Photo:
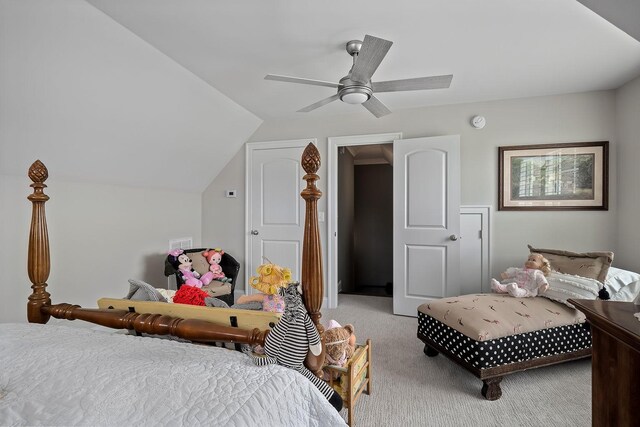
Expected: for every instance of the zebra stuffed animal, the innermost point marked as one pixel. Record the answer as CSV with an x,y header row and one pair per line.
x,y
289,341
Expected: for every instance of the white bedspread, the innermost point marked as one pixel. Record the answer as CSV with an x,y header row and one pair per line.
x,y
60,375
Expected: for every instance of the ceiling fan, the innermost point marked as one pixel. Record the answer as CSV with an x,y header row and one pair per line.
x,y
357,87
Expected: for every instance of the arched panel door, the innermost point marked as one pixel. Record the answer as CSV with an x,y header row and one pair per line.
x,y
426,218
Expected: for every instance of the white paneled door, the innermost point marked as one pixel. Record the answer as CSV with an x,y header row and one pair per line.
x,y
426,221
275,210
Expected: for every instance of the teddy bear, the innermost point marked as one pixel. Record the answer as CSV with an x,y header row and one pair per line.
x,y
213,257
271,277
183,264
339,344
524,282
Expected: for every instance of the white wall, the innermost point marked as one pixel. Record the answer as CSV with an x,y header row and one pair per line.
x,y
552,119
109,115
96,102
223,217
628,126
100,236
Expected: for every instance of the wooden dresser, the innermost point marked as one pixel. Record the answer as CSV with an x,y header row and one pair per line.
x,y
615,361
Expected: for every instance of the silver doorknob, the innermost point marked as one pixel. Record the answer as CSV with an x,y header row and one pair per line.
x,y
254,232
453,237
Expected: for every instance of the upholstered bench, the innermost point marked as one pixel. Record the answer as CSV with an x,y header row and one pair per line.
x,y
492,335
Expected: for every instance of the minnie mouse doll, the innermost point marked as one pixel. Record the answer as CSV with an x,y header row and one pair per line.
x,y
182,263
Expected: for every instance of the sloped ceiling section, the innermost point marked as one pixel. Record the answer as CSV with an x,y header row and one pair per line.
x,y
495,49
95,102
624,14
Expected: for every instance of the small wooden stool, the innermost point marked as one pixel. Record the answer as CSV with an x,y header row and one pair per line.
x,y
353,378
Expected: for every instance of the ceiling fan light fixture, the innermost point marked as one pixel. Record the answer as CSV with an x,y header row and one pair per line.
x,y
355,94
355,98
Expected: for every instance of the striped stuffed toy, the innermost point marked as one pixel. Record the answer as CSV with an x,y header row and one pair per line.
x,y
289,341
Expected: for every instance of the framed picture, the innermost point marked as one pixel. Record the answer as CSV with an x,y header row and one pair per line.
x,y
570,176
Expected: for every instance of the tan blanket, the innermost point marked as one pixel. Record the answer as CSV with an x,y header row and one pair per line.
x,y
485,317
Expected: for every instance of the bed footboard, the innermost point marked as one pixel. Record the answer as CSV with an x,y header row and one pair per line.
x,y
157,324
250,328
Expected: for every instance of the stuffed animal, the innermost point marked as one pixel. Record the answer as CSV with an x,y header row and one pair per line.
x,y
524,282
290,340
271,277
339,344
183,264
191,295
213,257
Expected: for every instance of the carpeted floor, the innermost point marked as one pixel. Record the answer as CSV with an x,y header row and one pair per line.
x,y
411,389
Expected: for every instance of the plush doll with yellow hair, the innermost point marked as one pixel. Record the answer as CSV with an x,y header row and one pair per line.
x,y
271,277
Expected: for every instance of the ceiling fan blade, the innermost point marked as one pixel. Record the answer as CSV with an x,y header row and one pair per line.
x,y
419,83
301,81
371,54
376,107
318,104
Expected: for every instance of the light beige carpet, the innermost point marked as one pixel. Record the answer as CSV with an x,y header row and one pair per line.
x,y
411,389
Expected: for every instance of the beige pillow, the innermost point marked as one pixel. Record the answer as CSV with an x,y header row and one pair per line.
x,y
594,265
216,288
200,263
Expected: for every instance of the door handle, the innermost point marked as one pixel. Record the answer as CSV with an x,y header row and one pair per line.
x,y
254,232
453,237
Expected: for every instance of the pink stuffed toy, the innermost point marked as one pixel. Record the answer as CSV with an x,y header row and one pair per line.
x,y
181,262
213,257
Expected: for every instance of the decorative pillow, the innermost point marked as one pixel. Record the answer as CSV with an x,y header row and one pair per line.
x,y
628,293
565,286
594,265
141,291
200,263
216,288
618,278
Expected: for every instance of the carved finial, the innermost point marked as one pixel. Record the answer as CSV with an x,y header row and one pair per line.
x,y
311,159
38,172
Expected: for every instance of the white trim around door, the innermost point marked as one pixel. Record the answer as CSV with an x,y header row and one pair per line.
x,y
332,201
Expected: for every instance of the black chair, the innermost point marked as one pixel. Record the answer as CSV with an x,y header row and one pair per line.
x,y
229,265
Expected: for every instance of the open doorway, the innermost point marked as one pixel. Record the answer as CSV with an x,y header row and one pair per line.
x,y
365,228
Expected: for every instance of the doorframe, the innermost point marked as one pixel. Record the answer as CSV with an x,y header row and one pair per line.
x,y
334,143
249,148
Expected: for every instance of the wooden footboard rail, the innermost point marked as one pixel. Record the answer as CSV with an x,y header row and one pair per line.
x,y
40,309
157,324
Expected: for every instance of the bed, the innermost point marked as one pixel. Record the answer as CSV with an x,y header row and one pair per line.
x,y
64,375
493,335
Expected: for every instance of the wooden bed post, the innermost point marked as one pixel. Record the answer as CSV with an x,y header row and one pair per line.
x,y
312,283
38,262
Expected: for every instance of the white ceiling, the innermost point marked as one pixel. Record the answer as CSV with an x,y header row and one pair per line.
x,y
496,49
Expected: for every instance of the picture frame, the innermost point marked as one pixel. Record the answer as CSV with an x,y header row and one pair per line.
x,y
543,177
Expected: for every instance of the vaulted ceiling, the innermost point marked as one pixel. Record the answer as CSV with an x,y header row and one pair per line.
x,y
163,93
496,49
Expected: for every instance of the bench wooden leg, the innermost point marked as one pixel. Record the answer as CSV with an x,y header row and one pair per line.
x,y
491,389
430,351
